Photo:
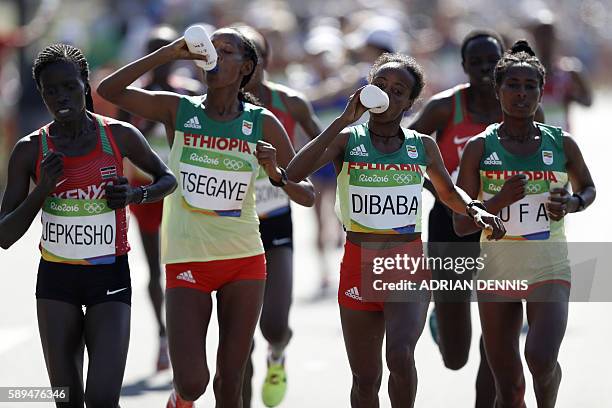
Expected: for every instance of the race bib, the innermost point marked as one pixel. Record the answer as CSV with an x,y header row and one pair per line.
x,y
384,201
271,201
525,219
78,231
214,183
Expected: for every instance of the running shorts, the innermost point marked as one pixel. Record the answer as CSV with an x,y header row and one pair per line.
x,y
277,231
358,287
443,243
213,275
85,285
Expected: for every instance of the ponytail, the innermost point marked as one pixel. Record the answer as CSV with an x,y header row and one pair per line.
x,y
520,53
522,46
248,97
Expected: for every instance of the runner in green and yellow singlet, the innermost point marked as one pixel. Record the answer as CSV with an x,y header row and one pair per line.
x,y
210,237
380,169
521,169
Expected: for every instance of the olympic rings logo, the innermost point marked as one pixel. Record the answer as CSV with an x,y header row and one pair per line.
x,y
233,164
533,188
94,208
403,178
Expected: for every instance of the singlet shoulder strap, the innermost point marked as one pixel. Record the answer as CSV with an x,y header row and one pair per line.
x,y
277,100
44,143
104,140
458,106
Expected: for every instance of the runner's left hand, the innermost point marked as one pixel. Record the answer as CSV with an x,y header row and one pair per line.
x,y
266,156
559,204
120,193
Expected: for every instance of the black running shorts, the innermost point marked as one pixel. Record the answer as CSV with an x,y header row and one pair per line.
x,y
277,231
85,285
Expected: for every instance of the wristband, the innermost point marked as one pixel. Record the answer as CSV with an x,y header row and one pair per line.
x,y
145,194
474,203
581,203
283,181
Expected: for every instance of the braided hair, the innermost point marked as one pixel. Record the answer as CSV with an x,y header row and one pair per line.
x,y
520,53
64,53
249,52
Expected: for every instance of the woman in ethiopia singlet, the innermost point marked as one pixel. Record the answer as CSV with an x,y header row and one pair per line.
x,y
521,169
210,237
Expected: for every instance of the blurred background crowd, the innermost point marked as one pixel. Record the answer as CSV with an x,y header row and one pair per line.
x,y
319,47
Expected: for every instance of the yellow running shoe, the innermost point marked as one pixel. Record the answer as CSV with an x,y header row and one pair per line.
x,y
275,385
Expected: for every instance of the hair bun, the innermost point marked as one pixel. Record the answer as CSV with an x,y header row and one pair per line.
x,y
522,46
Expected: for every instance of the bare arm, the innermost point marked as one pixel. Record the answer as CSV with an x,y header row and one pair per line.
x,y
560,201
452,196
154,106
469,181
280,152
329,145
433,117
134,146
301,110
19,208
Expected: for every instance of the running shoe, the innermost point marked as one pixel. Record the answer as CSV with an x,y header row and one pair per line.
x,y
275,385
175,401
433,326
163,359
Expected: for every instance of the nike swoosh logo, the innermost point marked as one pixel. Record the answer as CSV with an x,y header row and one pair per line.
x,y
61,182
112,292
461,140
281,241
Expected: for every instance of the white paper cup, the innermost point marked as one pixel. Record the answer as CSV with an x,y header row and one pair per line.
x,y
198,42
374,98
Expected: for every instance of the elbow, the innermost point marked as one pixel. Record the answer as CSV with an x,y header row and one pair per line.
x,y
459,225
311,198
104,90
173,185
4,244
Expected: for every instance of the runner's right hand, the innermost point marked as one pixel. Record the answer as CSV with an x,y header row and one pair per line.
x,y
51,169
491,223
354,109
177,50
513,189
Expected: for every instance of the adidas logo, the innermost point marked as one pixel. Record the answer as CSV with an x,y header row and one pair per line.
x,y
353,293
193,123
493,159
359,151
186,276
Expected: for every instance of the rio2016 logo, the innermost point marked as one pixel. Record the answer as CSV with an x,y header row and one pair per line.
x,y
64,207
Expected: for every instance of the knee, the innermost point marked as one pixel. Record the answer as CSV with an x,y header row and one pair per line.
x,y
400,360
190,389
510,387
541,363
367,383
101,399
